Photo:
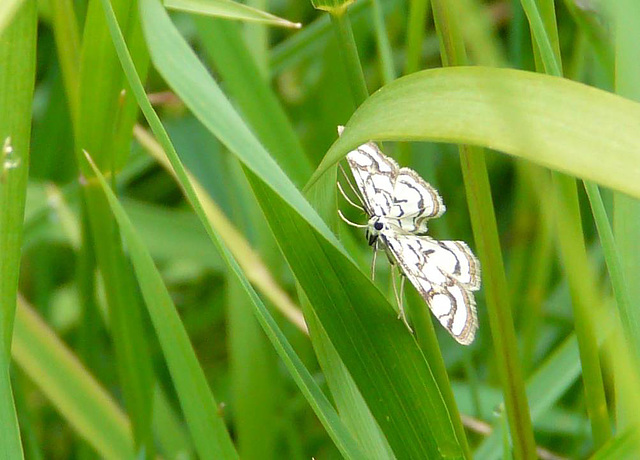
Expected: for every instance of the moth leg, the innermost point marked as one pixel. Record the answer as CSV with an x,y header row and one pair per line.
x,y
399,299
373,261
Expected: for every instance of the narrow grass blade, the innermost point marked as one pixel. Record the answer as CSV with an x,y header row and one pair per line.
x,y
200,408
524,114
309,388
349,55
229,9
549,382
485,232
79,398
384,46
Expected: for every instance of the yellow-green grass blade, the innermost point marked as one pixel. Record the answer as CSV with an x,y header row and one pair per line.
x,y
229,9
309,388
8,9
77,396
383,359
58,373
623,446
17,77
199,406
527,115
332,6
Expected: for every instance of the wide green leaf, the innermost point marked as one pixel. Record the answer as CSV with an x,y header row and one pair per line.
x,y
563,125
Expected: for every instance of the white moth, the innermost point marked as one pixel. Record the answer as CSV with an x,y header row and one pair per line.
x,y
399,204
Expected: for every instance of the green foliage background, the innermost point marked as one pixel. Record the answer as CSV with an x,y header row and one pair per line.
x,y
175,282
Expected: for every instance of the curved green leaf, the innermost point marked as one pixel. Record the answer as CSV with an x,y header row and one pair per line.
x,y
563,125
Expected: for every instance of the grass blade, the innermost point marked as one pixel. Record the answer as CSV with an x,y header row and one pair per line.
x,y
229,10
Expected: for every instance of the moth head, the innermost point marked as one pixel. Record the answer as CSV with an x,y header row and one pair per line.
x,y
375,226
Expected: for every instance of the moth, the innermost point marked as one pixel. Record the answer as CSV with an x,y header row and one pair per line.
x,y
399,205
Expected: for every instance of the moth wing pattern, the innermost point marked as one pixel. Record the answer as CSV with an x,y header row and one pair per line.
x,y
445,273
415,202
375,175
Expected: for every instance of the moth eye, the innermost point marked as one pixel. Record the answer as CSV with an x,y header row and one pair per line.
x,y
378,226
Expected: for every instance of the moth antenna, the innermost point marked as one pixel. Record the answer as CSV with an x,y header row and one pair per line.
x,y
353,224
351,186
347,198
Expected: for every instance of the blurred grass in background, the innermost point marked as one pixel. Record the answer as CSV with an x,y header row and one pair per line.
x,y
139,135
